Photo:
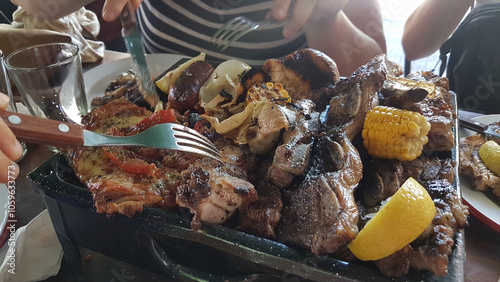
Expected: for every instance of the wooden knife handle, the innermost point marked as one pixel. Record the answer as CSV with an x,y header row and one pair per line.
x,y
33,129
472,124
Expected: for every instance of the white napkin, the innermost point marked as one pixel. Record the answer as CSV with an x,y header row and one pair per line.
x,y
82,25
38,253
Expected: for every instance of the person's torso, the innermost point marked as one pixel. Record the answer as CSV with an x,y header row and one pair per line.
x,y
185,27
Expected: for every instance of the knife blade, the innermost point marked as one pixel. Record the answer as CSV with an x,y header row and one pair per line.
x,y
478,127
132,38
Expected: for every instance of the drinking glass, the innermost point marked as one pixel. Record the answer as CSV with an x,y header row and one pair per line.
x,y
49,78
5,89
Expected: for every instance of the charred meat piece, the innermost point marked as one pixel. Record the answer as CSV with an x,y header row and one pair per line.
x,y
473,167
384,177
305,74
124,86
183,95
262,215
320,213
431,250
214,191
437,108
292,156
355,96
402,92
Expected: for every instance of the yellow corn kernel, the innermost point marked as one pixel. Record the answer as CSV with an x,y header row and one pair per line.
x,y
269,91
394,133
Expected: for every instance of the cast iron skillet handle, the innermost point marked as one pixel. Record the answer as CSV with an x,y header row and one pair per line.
x,y
172,268
184,273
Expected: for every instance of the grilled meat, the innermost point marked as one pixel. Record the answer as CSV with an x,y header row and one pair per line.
x,y
183,95
356,95
403,92
262,215
214,191
291,158
124,86
436,107
431,250
306,186
473,167
305,74
149,181
320,213
384,177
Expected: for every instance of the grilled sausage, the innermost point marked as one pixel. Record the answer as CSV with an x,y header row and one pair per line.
x,y
183,95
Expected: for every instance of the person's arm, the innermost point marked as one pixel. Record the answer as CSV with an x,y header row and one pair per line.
x,y
350,32
10,148
50,10
430,25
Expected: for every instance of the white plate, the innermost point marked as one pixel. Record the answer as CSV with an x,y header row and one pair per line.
x,y
98,79
480,205
4,212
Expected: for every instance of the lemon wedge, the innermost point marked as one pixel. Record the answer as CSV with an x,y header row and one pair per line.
x,y
400,221
490,154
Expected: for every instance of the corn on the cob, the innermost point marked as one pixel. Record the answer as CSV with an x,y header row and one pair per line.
x,y
393,133
268,91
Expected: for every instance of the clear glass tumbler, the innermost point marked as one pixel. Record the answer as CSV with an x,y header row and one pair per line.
x,y
5,89
49,78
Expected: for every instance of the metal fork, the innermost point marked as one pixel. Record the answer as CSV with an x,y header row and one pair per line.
x,y
51,132
236,28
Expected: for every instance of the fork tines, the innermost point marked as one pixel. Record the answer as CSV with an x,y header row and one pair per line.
x,y
232,31
190,140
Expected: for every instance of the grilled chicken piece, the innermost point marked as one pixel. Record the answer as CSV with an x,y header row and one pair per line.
x,y
214,191
320,213
305,74
356,95
473,167
114,189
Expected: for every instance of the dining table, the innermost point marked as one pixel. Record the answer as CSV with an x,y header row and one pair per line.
x,y
482,243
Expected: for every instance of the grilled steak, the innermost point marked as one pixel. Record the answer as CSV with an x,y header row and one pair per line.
x,y
384,177
321,213
473,167
356,95
436,107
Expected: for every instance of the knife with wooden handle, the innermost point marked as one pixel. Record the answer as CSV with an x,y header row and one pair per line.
x,y
478,127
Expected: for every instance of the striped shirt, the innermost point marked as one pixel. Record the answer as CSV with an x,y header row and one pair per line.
x,y
186,26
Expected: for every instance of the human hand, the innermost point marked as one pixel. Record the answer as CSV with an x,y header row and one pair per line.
x,y
310,12
112,8
10,148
